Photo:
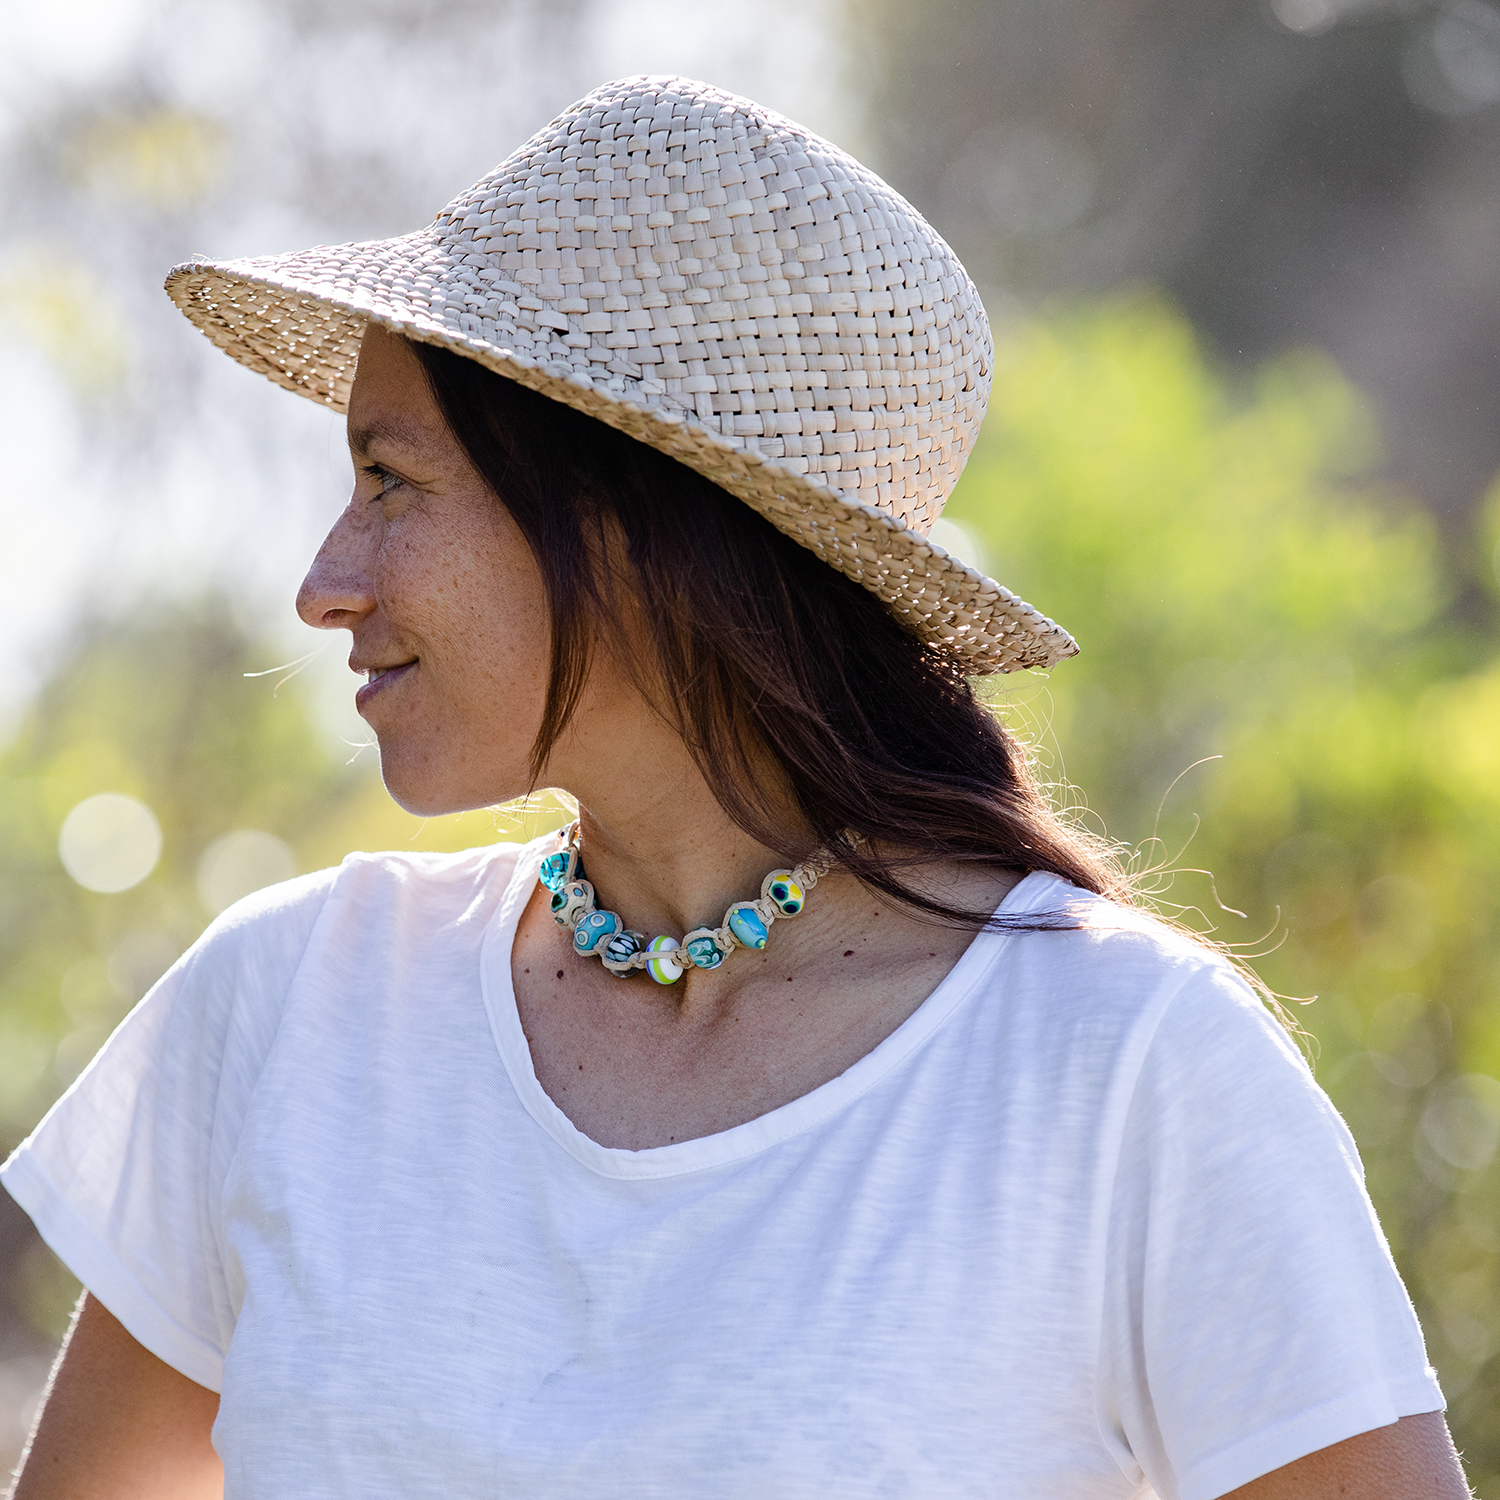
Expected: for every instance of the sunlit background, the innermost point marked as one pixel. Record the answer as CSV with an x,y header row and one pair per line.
x,y
1243,261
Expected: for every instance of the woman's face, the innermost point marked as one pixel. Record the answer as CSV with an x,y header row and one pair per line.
x,y
441,595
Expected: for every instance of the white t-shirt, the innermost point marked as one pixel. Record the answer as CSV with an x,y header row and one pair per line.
x,y
1082,1227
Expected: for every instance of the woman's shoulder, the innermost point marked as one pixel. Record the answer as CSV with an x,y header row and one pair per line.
x,y
1100,965
427,880
1114,936
227,994
268,932
409,876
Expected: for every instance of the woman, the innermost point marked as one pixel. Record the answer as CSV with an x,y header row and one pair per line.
x,y
526,1171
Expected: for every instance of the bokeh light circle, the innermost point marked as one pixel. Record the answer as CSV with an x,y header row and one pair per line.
x,y
110,842
242,862
1461,1121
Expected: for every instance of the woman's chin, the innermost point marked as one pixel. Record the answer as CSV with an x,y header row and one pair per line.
x,y
422,804
426,791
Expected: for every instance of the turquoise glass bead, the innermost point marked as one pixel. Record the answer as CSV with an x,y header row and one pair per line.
x,y
663,970
594,928
702,949
558,869
747,925
785,892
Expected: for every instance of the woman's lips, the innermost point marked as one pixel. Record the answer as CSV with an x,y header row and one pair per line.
x,y
380,680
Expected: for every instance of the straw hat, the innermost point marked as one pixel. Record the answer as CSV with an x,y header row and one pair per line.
x,y
711,279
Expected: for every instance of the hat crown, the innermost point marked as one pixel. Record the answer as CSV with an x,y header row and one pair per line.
x,y
681,247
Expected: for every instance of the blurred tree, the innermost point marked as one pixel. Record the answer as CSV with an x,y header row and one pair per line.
x,y
1291,171
1243,590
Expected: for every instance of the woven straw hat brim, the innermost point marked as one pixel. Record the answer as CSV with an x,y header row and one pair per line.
x,y
298,319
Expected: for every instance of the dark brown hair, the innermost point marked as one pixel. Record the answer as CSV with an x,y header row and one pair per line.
x,y
770,664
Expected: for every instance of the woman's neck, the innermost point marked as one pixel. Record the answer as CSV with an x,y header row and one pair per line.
x,y
673,862
657,846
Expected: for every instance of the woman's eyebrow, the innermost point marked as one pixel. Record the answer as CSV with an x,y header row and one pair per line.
x,y
396,434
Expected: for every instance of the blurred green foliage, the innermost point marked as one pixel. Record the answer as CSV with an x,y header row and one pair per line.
x,y
1242,589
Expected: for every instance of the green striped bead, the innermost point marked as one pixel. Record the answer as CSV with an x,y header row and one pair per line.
x,y
663,970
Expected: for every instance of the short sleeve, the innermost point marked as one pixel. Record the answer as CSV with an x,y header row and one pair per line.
x,y
1253,1314
122,1176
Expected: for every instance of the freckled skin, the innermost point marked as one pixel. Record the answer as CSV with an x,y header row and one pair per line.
x,y
423,565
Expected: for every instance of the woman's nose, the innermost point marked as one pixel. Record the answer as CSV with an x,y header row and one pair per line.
x,y
339,590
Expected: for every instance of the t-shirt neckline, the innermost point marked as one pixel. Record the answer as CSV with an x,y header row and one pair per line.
x,y
764,1131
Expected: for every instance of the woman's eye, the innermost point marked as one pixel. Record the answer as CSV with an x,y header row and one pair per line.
x,y
383,478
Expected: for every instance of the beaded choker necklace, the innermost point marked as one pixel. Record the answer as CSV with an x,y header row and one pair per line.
x,y
747,924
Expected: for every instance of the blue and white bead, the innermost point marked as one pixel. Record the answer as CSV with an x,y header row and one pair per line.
x,y
593,928
616,954
747,925
663,970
